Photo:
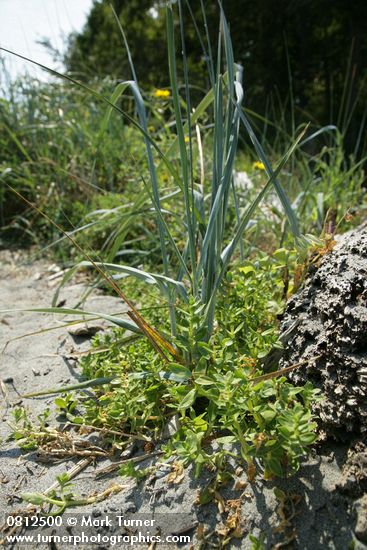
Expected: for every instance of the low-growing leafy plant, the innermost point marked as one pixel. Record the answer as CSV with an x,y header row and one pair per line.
x,y
258,543
218,396
25,432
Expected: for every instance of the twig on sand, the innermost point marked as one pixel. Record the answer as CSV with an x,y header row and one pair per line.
x,y
112,467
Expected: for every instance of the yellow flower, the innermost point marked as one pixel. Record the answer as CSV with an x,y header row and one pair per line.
x,y
162,94
258,165
187,139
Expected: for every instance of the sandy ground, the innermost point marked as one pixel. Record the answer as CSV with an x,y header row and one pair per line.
x,y
325,504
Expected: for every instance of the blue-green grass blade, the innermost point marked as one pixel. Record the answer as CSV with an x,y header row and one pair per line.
x,y
120,322
181,137
180,258
323,130
229,250
131,63
149,278
199,111
206,53
209,233
188,116
291,216
72,387
227,254
152,170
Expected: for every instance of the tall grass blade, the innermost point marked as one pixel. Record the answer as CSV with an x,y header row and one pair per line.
x,y
181,138
293,222
118,321
150,278
80,386
229,250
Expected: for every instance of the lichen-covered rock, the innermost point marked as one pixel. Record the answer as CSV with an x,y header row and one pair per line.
x,y
331,310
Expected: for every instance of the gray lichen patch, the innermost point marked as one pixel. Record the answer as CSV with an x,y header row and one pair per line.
x,y
332,312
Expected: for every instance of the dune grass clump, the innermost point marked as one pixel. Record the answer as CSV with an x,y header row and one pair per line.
x,y
200,364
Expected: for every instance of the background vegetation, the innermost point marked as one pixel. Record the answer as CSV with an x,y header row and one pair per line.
x,y
302,58
303,62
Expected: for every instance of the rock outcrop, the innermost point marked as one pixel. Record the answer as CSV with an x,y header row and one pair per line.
x,y
331,309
